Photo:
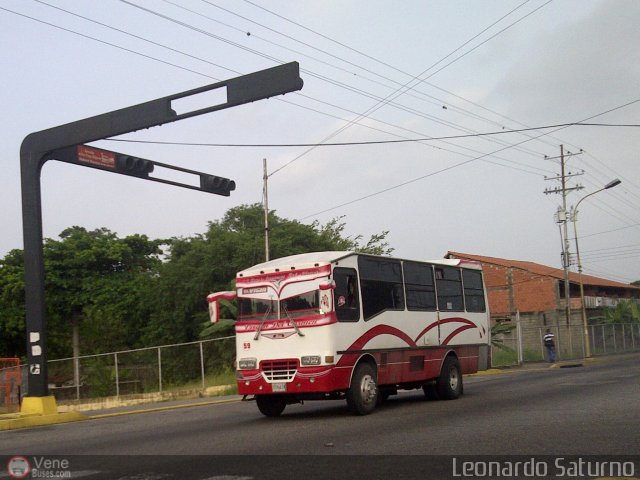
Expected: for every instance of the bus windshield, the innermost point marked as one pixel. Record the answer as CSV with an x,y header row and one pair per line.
x,y
300,305
257,309
267,309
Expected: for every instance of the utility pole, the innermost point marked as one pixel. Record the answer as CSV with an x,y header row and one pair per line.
x,y
265,203
563,218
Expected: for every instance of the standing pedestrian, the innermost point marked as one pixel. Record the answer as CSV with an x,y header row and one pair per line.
x,y
550,345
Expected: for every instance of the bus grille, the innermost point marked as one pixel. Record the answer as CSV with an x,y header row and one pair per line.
x,y
279,370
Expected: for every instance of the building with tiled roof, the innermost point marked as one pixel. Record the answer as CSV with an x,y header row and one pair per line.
x,y
516,285
535,295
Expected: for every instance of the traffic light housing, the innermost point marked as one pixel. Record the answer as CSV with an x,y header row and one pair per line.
x,y
138,167
217,185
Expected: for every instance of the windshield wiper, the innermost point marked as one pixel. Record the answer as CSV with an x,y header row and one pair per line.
x,y
264,319
293,322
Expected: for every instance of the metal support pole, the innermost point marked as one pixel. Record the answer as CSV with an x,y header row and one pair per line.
x,y
115,363
159,370
265,194
202,365
519,339
33,154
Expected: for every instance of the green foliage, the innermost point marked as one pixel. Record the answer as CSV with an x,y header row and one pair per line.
x,y
13,340
101,378
497,333
208,263
123,296
92,276
626,311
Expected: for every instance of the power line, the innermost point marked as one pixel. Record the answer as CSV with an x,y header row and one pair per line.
x,y
105,42
138,53
610,231
459,165
407,86
348,87
208,76
371,142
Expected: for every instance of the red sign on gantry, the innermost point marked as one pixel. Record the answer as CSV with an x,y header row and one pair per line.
x,y
94,156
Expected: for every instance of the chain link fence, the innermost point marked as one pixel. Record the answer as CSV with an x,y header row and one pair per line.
x,y
525,344
199,365
194,365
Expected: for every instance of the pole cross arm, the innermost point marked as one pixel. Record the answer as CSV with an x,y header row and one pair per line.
x,y
240,90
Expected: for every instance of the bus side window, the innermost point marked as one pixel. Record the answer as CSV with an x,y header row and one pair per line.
x,y
473,291
346,294
449,288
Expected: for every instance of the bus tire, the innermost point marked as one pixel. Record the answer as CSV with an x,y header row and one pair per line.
x,y
271,405
362,395
449,383
430,390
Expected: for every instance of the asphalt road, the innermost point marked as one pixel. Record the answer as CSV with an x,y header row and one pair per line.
x,y
588,410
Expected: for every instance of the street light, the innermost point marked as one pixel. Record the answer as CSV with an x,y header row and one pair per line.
x,y
585,325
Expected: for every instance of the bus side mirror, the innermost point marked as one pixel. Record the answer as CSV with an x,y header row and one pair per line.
x,y
327,285
214,305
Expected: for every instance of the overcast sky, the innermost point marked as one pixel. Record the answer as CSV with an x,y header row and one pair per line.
x,y
373,71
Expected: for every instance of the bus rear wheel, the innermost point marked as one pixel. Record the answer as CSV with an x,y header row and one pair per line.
x,y
362,395
449,383
271,405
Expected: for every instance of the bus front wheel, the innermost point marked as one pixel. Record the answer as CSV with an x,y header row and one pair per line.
x,y
271,405
362,395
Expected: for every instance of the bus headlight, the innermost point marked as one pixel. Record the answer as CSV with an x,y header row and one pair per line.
x,y
247,364
310,360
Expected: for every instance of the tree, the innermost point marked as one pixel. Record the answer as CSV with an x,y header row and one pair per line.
x,y
498,330
98,282
626,311
120,295
12,325
93,280
206,263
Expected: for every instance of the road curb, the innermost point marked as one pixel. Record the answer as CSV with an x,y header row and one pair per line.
x,y
161,409
19,420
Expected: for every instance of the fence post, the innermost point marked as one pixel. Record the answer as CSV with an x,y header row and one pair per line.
x,y
202,365
159,370
615,344
115,362
519,338
76,375
604,341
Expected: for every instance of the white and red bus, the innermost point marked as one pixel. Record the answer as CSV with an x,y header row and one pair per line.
x,y
330,325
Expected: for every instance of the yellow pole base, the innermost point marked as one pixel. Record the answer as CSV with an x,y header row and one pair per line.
x,y
39,405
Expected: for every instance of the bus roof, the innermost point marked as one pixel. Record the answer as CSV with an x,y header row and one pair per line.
x,y
300,261
315,259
